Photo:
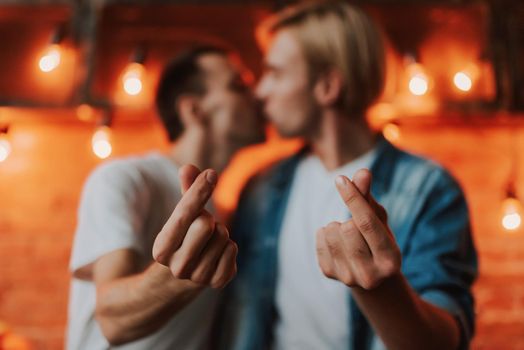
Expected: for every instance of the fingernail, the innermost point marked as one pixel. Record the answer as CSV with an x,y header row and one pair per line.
x,y
340,180
211,177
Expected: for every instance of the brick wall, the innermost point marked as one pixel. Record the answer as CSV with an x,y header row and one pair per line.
x,y
41,181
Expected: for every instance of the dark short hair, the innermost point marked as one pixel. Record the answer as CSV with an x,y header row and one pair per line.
x,y
181,76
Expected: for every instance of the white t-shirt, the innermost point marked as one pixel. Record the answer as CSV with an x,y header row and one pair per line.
x,y
313,310
125,203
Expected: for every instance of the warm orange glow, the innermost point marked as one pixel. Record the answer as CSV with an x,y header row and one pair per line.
x,y
511,214
391,132
101,142
462,81
132,79
50,60
5,148
85,113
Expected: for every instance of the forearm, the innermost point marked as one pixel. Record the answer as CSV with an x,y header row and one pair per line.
x,y
403,320
132,307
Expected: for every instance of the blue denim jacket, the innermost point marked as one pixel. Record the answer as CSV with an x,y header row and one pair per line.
x,y
427,213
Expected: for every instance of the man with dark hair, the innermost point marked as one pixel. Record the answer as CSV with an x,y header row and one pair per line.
x,y
320,264
119,295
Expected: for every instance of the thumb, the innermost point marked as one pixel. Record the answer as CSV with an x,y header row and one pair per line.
x,y
362,179
187,175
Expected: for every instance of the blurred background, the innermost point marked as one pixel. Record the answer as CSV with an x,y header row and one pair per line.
x,y
77,78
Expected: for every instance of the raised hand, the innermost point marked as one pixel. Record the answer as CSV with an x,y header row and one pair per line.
x,y
362,251
191,243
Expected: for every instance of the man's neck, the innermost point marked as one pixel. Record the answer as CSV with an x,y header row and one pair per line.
x,y
341,139
192,147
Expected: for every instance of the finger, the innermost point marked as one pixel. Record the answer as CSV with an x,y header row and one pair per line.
x,y
227,266
354,245
362,180
367,221
187,175
186,211
209,257
339,261
186,257
324,257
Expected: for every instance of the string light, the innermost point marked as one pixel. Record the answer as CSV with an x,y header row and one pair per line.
x,y
101,139
463,81
511,214
101,142
132,78
133,75
51,58
5,147
418,84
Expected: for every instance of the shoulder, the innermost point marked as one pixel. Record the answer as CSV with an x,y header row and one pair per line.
x,y
414,173
122,173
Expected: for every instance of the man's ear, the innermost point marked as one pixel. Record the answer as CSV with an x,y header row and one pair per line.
x,y
188,107
328,88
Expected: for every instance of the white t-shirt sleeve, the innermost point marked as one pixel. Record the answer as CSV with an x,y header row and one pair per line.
x,y
111,214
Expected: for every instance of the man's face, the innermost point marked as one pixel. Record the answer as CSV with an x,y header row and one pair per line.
x,y
233,117
285,88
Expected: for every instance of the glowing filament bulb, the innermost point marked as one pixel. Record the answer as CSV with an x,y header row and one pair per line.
x,y
101,143
512,214
132,79
5,148
418,84
50,60
462,81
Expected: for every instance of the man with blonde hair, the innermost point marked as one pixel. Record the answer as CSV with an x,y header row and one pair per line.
x,y
321,264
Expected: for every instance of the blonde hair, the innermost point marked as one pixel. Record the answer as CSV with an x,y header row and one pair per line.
x,y
336,35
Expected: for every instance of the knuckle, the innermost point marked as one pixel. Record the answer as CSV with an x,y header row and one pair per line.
x,y
389,266
368,280
177,269
349,228
333,242
218,283
200,277
350,198
327,270
347,278
369,283
359,252
203,224
366,223
333,226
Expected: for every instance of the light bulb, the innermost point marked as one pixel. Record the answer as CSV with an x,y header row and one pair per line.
x,y
5,148
418,84
511,214
101,142
462,81
132,79
51,59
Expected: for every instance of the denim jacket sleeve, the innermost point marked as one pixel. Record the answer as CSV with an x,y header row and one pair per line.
x,y
440,261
